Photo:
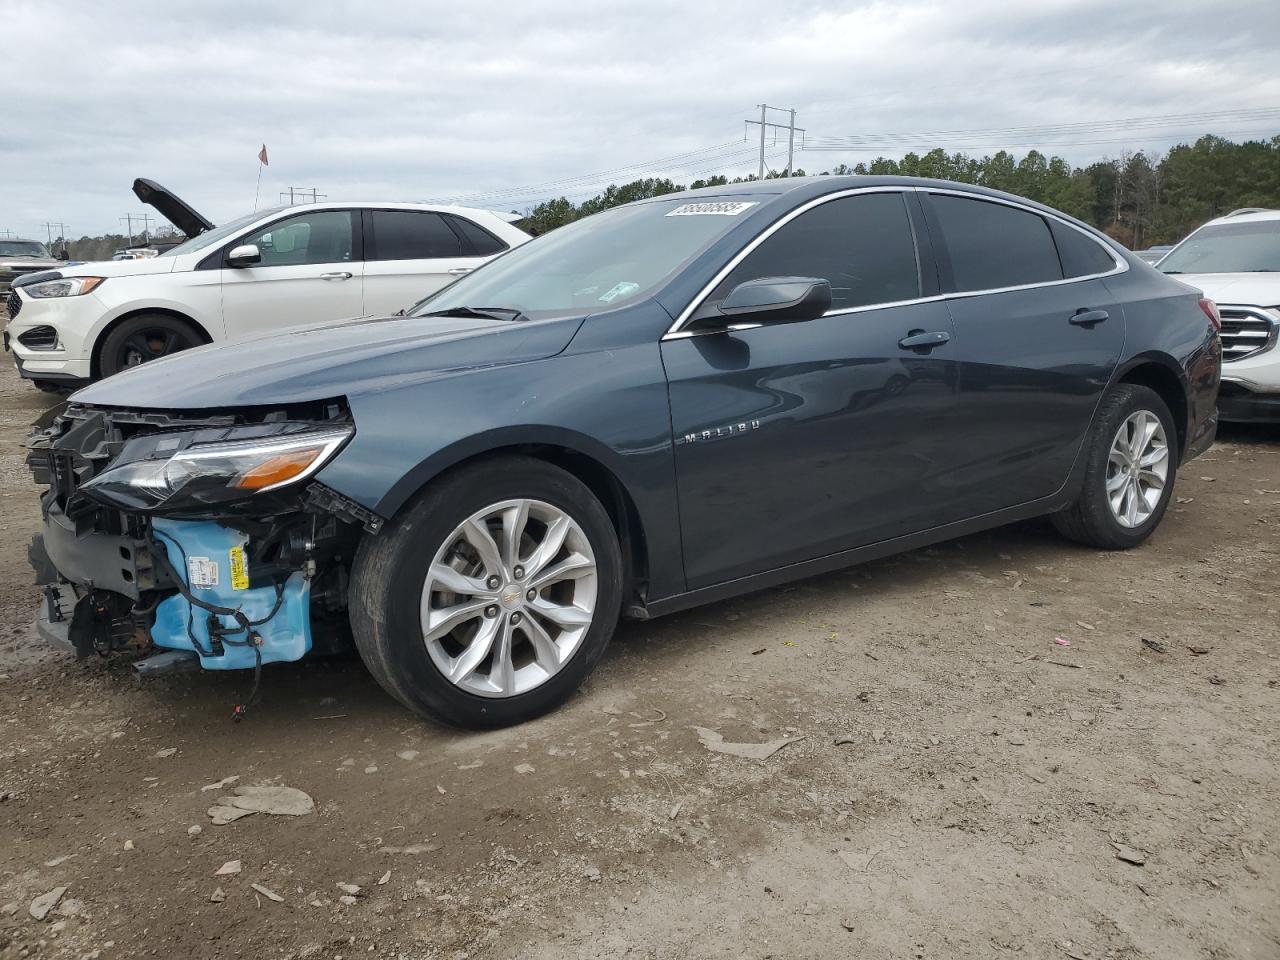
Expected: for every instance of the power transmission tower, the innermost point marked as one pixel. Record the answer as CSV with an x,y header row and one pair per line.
x,y
144,218
62,233
303,195
791,128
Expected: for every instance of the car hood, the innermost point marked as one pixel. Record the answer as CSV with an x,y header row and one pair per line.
x,y
1243,289
31,263
172,207
119,268
346,359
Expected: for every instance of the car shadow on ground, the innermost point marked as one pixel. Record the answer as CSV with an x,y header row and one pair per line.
x,y
339,689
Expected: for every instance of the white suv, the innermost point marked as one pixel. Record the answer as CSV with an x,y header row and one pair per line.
x,y
291,266
1235,260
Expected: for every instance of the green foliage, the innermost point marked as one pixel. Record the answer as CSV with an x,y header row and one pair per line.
x,y
1138,198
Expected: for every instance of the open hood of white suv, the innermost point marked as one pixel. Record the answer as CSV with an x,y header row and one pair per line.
x,y
1246,289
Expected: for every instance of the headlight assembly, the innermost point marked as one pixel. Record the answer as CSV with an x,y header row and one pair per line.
x,y
65,287
212,473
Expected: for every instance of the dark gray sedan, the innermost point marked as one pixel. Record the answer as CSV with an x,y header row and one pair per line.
x,y
665,404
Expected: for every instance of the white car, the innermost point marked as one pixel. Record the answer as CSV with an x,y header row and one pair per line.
x,y
1235,260
301,265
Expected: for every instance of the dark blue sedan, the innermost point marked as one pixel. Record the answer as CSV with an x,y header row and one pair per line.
x,y
665,404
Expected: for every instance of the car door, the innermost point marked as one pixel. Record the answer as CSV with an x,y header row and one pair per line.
x,y
793,441
1038,335
411,254
309,273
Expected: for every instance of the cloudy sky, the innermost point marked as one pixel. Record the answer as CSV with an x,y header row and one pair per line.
x,y
509,103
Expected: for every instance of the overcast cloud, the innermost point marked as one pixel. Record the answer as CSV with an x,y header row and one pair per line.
x,y
510,103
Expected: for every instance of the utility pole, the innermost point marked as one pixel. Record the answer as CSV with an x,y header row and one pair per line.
x,y
128,219
790,127
7,234
763,124
791,140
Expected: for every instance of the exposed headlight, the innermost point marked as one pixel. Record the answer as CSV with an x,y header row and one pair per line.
x,y
66,287
212,473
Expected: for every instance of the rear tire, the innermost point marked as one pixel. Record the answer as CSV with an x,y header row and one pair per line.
x,y
1119,504
510,657
145,337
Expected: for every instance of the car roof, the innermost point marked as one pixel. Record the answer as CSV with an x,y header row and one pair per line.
x,y
1247,215
391,205
795,190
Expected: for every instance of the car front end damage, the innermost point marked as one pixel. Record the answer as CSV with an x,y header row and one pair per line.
x,y
201,532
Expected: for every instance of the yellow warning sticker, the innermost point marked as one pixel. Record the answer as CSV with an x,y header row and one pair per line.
x,y
239,569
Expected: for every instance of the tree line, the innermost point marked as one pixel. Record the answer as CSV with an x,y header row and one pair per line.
x,y
1138,198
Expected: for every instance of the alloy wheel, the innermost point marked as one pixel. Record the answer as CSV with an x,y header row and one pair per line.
x,y
1137,468
508,598
151,344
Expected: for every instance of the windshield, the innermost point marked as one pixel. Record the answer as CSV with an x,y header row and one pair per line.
x,y
23,248
597,263
1228,248
211,237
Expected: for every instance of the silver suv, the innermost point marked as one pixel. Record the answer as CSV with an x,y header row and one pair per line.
x,y
18,257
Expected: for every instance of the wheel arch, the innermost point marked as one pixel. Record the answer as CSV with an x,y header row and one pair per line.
x,y
1166,377
95,355
579,456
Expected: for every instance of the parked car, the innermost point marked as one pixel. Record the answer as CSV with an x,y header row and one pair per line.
x,y
269,270
665,404
1235,260
1153,254
20,257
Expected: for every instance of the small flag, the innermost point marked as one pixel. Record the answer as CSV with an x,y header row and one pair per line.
x,y
262,156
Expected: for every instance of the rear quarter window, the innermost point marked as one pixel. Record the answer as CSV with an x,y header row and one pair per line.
x,y
483,243
992,245
1081,256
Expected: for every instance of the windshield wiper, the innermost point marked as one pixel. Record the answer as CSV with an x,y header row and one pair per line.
x,y
486,313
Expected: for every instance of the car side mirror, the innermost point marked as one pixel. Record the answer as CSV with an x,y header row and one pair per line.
x,y
245,255
778,300
62,255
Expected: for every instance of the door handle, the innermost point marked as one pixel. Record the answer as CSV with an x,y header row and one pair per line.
x,y
1087,318
340,275
459,271
919,340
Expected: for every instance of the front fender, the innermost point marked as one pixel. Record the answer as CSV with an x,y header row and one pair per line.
x,y
606,405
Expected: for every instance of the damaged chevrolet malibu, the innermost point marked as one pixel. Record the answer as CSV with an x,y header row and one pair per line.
x,y
665,404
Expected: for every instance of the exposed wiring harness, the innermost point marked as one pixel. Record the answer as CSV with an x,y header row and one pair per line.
x,y
252,638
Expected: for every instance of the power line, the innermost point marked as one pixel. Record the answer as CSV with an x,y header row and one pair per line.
x,y
957,147
1093,126
599,176
302,195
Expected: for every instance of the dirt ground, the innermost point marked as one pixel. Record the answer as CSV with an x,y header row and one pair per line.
x,y
963,786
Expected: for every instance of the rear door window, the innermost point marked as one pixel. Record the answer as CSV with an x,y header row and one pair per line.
x,y
412,235
863,245
993,245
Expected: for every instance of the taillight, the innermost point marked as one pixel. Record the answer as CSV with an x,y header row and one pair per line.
x,y
1211,311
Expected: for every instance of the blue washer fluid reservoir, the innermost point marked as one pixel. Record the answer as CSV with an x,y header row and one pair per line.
x,y
202,554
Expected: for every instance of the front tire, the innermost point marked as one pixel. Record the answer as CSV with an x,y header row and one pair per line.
x,y
490,598
145,337
1130,467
